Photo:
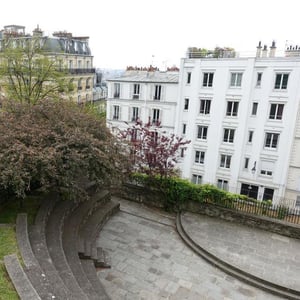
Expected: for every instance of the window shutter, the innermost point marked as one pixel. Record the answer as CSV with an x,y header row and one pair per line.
x,y
267,165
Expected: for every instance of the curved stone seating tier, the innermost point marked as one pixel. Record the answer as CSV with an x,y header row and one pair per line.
x,y
54,243
39,246
90,230
99,198
19,278
69,240
49,248
89,269
32,268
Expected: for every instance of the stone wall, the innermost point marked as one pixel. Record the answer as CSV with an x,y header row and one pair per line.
x,y
153,198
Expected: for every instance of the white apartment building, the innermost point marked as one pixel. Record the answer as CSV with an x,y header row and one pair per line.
x,y
142,95
242,116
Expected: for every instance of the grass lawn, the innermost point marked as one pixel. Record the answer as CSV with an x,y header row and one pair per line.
x,y
8,243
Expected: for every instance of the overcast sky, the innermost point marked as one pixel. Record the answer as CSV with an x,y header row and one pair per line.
x,y
141,32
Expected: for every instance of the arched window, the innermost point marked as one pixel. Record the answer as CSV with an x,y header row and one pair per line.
x,y
88,83
80,84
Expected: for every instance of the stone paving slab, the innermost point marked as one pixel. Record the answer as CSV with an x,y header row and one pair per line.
x,y
266,255
150,261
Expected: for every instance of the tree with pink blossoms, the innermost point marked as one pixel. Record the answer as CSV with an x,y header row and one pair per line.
x,y
152,150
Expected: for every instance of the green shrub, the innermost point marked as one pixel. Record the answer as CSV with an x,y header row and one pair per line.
x,y
282,212
176,191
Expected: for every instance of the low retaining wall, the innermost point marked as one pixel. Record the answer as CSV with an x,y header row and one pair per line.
x,y
153,198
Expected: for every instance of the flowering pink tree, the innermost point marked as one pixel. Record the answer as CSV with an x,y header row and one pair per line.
x,y
153,151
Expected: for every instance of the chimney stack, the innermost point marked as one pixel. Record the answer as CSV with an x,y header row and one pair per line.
x,y
258,51
264,51
272,50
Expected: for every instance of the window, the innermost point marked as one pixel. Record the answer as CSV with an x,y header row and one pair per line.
x,y
297,204
70,64
222,184
135,114
267,167
268,194
186,103
232,108
196,179
188,77
236,79
281,81
246,163
250,136
208,79
225,161
228,135
266,172
134,136
199,157
271,140
154,137
87,84
276,111
204,106
155,116
183,128
182,150
202,132
116,90
136,91
254,108
79,87
116,112
258,79
157,92
79,64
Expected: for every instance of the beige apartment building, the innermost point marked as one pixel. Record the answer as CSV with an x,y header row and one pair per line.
x,y
73,52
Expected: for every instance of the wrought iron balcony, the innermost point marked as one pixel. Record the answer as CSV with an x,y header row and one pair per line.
x,y
82,71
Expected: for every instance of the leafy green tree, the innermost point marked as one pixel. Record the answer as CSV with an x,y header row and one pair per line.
x,y
27,74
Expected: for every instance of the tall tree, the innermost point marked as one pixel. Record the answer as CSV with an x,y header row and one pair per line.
x,y
54,145
27,74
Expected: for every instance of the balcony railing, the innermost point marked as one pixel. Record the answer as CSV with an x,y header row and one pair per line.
x,y
81,71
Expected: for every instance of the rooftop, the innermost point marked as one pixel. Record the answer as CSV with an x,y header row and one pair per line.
x,y
148,76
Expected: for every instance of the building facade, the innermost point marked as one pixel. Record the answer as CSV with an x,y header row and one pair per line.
x,y
73,53
242,117
146,95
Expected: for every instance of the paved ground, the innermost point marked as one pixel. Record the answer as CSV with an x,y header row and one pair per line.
x,y
270,256
150,261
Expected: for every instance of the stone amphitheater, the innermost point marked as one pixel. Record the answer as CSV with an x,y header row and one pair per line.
x,y
94,250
